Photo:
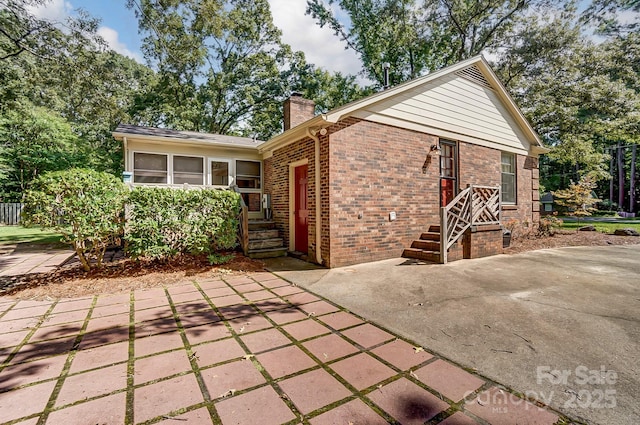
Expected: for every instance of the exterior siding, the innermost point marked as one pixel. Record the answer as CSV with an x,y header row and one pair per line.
x,y
456,105
375,169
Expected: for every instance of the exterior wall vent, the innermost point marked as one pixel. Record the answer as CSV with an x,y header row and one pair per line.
x,y
472,73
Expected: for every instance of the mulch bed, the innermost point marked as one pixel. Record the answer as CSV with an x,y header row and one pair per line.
x,y
124,275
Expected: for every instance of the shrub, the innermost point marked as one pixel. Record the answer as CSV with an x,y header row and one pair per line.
x,y
549,225
164,222
84,206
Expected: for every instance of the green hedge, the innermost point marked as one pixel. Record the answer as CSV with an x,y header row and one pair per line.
x,y
163,222
84,206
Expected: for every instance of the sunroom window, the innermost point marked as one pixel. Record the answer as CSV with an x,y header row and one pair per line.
x,y
248,174
188,169
150,168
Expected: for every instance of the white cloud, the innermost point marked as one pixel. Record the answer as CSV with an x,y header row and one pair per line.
x,y
112,38
320,46
53,10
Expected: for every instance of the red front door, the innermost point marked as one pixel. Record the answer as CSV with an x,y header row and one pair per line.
x,y
448,172
301,210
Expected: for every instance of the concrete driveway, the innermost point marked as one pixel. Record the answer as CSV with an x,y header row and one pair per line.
x,y
559,325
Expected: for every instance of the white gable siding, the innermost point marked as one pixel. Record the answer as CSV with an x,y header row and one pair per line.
x,y
454,107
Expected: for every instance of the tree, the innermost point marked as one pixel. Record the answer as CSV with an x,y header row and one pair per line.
x,y
415,37
33,141
581,97
578,197
85,206
222,68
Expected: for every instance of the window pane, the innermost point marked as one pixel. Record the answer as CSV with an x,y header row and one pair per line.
x,y
508,188
219,173
247,168
149,161
248,182
188,164
508,163
149,168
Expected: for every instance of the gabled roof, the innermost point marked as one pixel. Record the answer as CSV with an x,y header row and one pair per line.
x,y
187,137
475,69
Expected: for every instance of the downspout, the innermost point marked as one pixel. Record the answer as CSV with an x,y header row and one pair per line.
x,y
126,153
312,135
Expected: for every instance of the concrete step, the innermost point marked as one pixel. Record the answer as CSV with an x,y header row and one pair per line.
x,y
268,253
265,243
261,224
426,245
263,234
430,236
421,254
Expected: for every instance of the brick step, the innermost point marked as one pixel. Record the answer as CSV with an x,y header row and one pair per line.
x,y
261,224
430,236
426,245
435,228
263,234
265,243
421,254
268,253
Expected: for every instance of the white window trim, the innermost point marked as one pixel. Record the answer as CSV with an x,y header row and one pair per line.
x,y
230,167
204,169
246,189
169,167
515,178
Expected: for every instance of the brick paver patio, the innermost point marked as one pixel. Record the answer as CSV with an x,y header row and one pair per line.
x,y
248,349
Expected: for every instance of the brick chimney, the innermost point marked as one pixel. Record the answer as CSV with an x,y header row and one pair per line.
x,y
297,110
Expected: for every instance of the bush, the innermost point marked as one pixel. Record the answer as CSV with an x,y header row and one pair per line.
x,y
84,206
549,225
164,222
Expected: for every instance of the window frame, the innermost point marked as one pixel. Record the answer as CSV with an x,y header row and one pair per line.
x,y
514,164
230,172
133,166
173,171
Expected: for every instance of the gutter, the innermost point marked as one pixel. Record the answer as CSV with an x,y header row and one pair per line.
x,y
312,134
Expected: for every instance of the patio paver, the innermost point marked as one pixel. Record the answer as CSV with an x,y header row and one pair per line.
x,y
239,350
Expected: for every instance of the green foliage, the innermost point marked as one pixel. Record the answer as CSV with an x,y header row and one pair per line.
x,y
578,197
84,206
418,36
33,141
549,225
222,68
164,222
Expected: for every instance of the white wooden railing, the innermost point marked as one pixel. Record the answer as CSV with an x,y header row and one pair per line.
x,y
475,205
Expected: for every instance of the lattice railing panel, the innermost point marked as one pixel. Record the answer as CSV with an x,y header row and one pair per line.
x,y
485,205
476,205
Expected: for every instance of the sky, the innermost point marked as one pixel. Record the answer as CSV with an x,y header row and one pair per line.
x,y
120,30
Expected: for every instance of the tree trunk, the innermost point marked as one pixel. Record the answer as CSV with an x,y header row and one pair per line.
x,y
620,176
611,180
632,182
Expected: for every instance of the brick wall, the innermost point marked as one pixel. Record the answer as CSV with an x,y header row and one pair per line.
x,y
369,170
483,241
376,169
297,110
527,208
277,184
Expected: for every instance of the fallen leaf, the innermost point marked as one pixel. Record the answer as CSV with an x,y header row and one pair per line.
x,y
241,329
418,349
248,357
413,374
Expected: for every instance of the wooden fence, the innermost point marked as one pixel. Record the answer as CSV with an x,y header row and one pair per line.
x,y
10,213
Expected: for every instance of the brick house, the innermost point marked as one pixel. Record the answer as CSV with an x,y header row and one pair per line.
x,y
379,177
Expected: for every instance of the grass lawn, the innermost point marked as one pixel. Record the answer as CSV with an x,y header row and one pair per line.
x,y
19,234
601,226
